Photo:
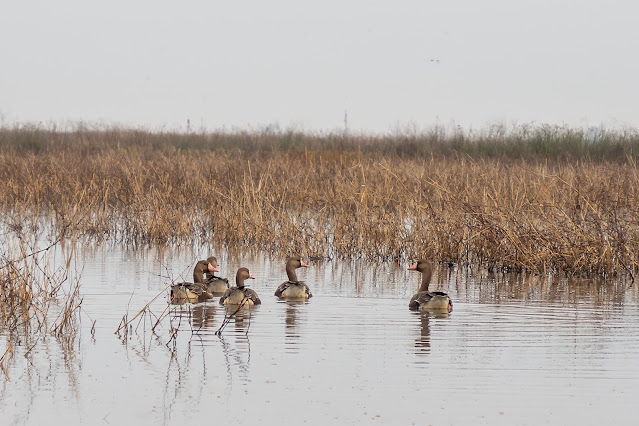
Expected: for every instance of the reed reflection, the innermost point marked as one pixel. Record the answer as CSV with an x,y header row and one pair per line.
x,y
493,287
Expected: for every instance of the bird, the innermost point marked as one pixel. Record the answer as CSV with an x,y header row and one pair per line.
x,y
239,294
215,285
293,289
428,300
197,290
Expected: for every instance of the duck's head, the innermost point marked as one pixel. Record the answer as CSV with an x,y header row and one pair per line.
x,y
208,266
242,274
296,262
421,266
213,261
205,266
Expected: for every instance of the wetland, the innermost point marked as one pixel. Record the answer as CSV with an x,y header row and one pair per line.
x,y
537,246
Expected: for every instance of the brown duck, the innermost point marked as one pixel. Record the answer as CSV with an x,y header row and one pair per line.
x,y
437,301
293,289
215,285
239,294
197,290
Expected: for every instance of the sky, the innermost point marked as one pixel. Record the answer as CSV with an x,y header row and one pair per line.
x,y
373,66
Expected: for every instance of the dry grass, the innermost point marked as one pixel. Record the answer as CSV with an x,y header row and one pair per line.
x,y
330,198
37,298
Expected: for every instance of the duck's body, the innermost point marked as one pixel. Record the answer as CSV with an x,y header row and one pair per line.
x,y
431,301
425,300
215,285
293,289
196,291
190,292
237,296
240,295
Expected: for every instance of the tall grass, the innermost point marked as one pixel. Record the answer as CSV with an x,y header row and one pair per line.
x,y
542,199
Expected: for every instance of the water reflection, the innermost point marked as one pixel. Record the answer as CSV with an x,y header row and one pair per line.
x,y
422,342
554,343
483,287
241,318
203,315
427,319
294,313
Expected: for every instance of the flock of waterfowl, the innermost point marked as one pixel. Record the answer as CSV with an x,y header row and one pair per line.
x,y
206,285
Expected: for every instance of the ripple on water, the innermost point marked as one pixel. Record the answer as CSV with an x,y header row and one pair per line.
x,y
546,352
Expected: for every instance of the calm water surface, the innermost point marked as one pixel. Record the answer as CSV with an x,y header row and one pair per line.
x,y
515,350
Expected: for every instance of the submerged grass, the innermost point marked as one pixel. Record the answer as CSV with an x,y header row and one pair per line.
x,y
543,199
37,297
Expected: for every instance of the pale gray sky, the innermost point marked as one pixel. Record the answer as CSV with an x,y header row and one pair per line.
x,y
248,63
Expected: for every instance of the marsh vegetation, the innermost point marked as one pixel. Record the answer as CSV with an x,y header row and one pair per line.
x,y
133,209
543,199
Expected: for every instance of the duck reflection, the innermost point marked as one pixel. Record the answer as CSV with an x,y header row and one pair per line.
x,y
199,315
202,316
292,307
241,318
422,342
237,346
291,321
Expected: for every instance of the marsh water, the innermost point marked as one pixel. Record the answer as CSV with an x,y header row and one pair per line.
x,y
517,349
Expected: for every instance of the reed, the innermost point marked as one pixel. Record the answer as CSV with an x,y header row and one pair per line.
x,y
519,201
37,296
497,141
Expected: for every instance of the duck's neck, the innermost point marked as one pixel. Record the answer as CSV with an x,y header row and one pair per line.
x,y
425,279
198,274
239,282
290,272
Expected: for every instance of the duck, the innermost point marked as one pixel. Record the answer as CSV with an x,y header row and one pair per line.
x,y
293,289
197,290
215,285
239,294
437,301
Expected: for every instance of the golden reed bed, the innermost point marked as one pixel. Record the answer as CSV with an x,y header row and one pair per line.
x,y
331,197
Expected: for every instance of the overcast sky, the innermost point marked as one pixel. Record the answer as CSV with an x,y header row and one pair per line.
x,y
303,64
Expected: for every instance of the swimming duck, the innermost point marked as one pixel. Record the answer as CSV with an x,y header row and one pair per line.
x,y
428,300
239,294
293,289
197,290
215,284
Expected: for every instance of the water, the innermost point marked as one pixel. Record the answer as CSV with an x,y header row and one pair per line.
x,y
515,350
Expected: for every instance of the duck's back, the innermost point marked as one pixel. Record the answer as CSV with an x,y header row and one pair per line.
x,y
431,300
291,290
190,292
217,284
237,296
